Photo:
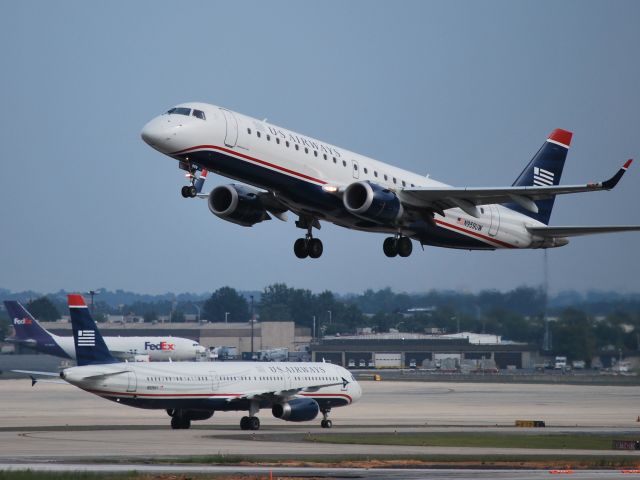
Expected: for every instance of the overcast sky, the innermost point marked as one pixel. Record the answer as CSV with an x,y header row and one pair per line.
x,y
464,91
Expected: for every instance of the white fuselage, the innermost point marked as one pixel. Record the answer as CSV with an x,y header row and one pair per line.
x,y
215,385
157,348
296,168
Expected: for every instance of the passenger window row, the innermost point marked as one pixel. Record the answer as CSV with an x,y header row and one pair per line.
x,y
325,157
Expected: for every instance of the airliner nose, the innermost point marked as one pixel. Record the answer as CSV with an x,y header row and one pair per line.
x,y
151,134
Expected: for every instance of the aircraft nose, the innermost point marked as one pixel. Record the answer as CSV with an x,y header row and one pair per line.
x,y
151,133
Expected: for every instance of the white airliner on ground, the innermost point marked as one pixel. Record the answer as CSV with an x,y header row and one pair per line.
x,y
188,391
30,333
318,181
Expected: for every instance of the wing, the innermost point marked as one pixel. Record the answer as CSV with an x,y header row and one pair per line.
x,y
280,395
439,199
553,232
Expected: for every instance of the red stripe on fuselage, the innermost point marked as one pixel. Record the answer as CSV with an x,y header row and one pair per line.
x,y
322,182
251,159
200,395
476,234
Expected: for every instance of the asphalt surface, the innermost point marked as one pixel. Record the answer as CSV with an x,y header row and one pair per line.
x,y
60,423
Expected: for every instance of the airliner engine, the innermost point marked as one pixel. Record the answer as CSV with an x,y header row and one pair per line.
x,y
237,204
372,202
296,410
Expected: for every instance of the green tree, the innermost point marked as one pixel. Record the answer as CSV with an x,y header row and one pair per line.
x,y
223,300
43,309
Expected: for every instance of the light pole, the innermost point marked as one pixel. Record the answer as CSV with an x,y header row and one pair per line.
x,y
198,308
329,311
226,317
252,322
313,331
93,293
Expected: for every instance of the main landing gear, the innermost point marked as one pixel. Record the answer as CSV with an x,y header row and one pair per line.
x,y
397,245
326,423
179,422
249,423
308,246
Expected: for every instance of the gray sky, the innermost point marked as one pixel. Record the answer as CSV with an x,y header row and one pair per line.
x,y
465,91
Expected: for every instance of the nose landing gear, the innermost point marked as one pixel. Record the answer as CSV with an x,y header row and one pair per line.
x,y
326,423
397,245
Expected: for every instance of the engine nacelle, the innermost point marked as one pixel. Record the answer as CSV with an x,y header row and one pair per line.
x,y
372,202
237,204
190,414
296,410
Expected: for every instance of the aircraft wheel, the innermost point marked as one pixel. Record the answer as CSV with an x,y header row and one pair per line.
x,y
404,247
326,424
192,191
315,248
185,191
244,423
254,423
390,247
300,248
179,423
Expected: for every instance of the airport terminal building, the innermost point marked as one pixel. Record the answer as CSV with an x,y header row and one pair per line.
x,y
404,350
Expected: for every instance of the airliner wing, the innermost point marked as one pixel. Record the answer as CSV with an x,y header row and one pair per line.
x,y
278,395
439,199
552,232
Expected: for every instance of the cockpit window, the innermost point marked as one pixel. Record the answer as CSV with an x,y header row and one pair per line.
x,y
180,111
199,114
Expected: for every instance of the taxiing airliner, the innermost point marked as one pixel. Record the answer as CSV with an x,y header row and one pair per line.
x,y
29,333
294,391
282,171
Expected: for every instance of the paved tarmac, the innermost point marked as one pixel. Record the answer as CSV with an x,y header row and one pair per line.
x,y
333,473
60,422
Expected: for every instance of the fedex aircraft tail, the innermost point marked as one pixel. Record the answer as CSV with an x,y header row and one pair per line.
x,y
90,346
544,169
29,332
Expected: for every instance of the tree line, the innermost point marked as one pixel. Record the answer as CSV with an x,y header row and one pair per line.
x,y
579,328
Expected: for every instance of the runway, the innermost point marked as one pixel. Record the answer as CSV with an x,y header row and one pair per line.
x,y
58,422
333,473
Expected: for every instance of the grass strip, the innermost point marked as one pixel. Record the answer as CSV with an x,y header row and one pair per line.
x,y
486,439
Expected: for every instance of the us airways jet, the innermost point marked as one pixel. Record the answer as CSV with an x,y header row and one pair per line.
x,y
293,391
31,334
282,171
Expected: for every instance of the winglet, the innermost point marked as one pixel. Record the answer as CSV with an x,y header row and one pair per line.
x,y
613,181
561,137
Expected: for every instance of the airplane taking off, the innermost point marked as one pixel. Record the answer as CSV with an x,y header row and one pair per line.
x,y
31,334
294,391
321,182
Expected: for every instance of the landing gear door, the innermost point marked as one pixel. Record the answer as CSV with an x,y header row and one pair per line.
x,y
231,136
132,382
495,220
355,168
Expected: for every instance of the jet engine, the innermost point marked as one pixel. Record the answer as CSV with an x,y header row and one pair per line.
x,y
372,202
190,414
237,204
296,410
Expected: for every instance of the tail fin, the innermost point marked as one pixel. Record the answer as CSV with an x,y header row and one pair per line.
x,y
90,346
545,168
29,332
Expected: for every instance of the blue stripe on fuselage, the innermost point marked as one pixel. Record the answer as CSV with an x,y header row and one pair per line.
x,y
314,199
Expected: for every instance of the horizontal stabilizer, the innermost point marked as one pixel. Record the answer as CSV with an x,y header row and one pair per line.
x,y
553,232
33,372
